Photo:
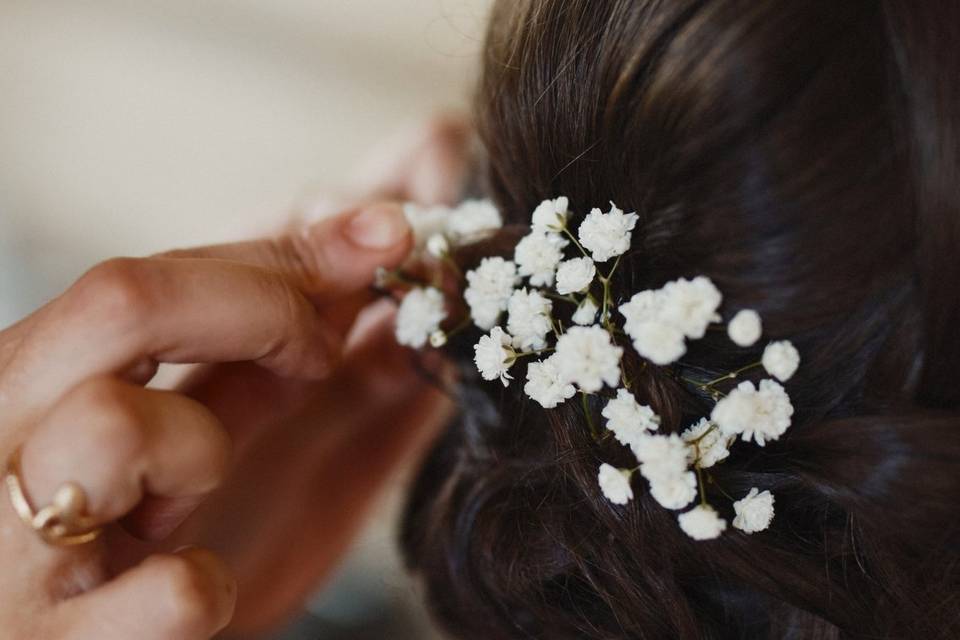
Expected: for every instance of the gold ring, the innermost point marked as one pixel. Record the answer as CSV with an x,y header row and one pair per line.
x,y
64,523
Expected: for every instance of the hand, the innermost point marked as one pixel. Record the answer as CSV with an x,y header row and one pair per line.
x,y
299,429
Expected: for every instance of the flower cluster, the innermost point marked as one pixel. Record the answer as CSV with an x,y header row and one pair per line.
x,y
514,302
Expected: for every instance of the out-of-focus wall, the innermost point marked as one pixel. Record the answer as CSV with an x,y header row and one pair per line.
x,y
131,126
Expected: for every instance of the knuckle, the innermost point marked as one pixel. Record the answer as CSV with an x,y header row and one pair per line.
x,y
305,259
187,595
120,289
116,418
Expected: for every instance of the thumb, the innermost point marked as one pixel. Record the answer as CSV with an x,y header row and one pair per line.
x,y
333,257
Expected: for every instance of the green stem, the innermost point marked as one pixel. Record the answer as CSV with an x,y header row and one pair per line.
x,y
586,412
576,242
703,491
466,322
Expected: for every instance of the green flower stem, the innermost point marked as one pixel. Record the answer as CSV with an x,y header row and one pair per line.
x,y
586,413
566,232
450,262
527,354
731,375
462,326
700,486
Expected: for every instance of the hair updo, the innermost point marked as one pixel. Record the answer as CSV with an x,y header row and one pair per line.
x,y
804,155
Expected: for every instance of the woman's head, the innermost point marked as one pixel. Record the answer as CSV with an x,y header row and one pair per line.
x,y
806,157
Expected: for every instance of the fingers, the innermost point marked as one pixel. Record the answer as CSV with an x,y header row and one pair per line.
x,y
118,442
218,304
332,257
188,595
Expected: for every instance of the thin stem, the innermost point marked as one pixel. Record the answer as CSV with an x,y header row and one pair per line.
x,y
557,296
585,401
450,262
703,491
714,482
576,242
461,326
732,374
527,354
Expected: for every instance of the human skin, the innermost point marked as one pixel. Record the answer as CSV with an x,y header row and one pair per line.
x,y
228,499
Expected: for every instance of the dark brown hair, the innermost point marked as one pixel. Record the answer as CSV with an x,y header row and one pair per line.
x,y
805,155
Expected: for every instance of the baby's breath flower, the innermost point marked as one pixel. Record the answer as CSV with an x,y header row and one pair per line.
x,y
673,490
690,305
761,414
551,215
437,245
587,357
438,339
659,343
494,356
628,419
529,319
537,256
545,386
586,313
745,328
660,455
489,289
607,235
575,275
426,222
708,441
615,484
754,511
702,523
781,360
472,220
420,314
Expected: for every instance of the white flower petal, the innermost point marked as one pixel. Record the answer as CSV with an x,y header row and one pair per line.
x,y
489,288
745,328
587,357
575,275
529,319
781,360
607,235
702,523
760,414
754,512
494,356
615,484
545,385
420,314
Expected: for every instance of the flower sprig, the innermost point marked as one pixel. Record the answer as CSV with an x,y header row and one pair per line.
x,y
514,301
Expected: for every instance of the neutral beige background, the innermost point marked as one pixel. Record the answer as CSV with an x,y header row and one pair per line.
x,y
130,126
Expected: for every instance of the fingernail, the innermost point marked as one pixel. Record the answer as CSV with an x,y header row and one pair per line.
x,y
379,226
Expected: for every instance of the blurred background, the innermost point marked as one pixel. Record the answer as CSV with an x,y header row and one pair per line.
x,y
132,126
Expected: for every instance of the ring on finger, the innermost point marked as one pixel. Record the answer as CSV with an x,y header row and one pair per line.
x,y
64,522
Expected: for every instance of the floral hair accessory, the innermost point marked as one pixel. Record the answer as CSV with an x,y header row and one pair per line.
x,y
515,302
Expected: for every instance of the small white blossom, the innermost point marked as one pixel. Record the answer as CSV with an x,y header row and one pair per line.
x,y
586,313
628,419
420,314
754,512
660,455
675,490
473,219
607,235
587,357
551,215
489,289
575,275
437,245
657,342
690,305
545,386
745,328
615,484
438,339
761,414
529,319
426,222
781,360
708,445
537,256
702,523
494,356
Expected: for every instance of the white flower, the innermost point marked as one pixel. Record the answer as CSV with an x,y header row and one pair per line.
x,y
586,313
551,215
615,484
628,419
489,288
690,305
529,319
781,360
473,219
707,444
420,314
762,414
745,328
587,357
537,256
702,523
675,490
545,385
438,339
494,356
575,275
660,455
754,512
426,222
437,245
657,342
607,235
